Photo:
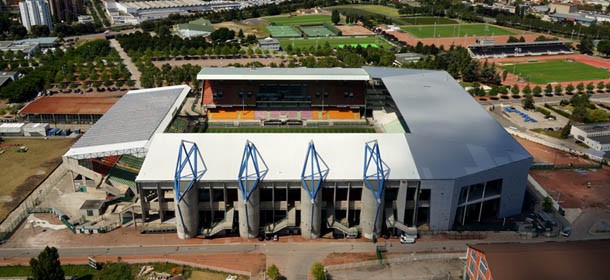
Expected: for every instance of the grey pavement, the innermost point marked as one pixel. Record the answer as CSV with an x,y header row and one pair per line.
x,y
135,73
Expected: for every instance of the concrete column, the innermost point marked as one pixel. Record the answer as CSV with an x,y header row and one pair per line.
x,y
370,208
310,229
187,217
249,214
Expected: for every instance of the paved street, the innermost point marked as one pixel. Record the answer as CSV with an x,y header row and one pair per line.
x,y
135,73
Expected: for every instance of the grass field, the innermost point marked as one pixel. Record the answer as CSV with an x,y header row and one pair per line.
x,y
556,71
21,172
428,20
316,31
299,20
86,272
291,130
376,9
457,30
334,42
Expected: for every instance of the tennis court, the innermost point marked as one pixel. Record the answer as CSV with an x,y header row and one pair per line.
x,y
283,31
316,31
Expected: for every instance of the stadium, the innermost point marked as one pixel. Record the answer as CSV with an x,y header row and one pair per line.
x,y
485,50
424,156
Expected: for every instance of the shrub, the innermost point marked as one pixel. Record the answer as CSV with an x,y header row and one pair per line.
x,y
317,271
273,272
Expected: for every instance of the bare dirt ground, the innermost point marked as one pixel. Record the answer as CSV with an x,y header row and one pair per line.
x,y
544,154
251,27
349,30
513,79
420,269
341,258
219,62
570,186
248,262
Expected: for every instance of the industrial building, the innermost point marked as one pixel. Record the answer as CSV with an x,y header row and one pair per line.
x,y
596,135
436,159
136,12
35,12
67,109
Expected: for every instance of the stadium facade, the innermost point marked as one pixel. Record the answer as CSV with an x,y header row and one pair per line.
x,y
437,159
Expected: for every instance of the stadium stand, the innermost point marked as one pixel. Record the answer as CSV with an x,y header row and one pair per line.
x,y
493,50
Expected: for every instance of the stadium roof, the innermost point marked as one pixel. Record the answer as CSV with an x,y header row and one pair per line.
x,y
69,105
517,44
130,123
303,74
283,153
451,136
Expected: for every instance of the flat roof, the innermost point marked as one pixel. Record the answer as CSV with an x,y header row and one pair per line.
x,y
92,204
594,127
284,154
131,122
547,260
601,139
516,44
451,135
72,105
267,73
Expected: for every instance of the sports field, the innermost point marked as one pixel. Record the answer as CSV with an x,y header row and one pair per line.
x,y
428,20
20,173
283,31
333,42
556,71
291,130
456,30
299,20
316,31
375,9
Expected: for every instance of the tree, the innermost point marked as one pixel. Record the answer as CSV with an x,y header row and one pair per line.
x,y
570,88
515,90
537,90
334,17
504,75
590,87
528,102
527,90
548,89
512,39
40,30
586,46
240,34
47,265
565,131
601,86
604,47
273,272
317,271
558,89
547,204
580,87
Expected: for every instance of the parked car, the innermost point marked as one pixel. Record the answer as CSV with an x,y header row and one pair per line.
x,y
407,239
566,231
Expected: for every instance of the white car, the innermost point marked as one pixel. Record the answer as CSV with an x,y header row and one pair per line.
x,y
407,239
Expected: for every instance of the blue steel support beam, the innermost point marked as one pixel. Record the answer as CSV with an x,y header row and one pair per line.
x,y
188,156
246,180
316,174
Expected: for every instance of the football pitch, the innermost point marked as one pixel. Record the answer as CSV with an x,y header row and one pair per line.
x,y
428,20
556,71
299,129
299,20
455,30
334,42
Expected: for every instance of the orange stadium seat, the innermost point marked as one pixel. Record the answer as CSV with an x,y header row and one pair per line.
x,y
223,115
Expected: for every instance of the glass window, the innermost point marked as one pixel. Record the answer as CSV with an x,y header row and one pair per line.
x,y
479,277
472,268
493,188
483,267
473,255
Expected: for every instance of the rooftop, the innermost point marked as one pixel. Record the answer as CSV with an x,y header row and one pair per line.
x,y
266,73
69,105
601,139
595,127
92,204
131,122
547,260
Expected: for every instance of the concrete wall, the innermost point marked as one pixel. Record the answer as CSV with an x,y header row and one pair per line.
x,y
187,214
249,214
442,202
310,228
371,208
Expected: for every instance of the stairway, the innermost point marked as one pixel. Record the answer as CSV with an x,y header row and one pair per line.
x,y
289,221
331,223
225,224
391,222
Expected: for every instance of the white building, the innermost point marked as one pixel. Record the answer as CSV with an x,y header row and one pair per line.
x,y
270,44
138,12
85,19
35,12
596,136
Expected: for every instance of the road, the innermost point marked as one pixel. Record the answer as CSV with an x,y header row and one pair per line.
x,y
135,73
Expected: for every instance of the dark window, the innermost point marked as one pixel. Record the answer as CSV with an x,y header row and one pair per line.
x,y
493,188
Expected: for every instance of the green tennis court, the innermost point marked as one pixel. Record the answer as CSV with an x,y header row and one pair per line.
x,y
334,42
316,31
283,31
299,20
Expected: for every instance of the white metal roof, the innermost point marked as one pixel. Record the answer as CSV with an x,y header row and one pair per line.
x,y
131,122
297,74
283,153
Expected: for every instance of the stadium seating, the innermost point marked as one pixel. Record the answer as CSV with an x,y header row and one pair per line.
x,y
499,51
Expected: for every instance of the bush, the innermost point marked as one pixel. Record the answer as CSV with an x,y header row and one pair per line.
x,y
547,204
543,111
273,272
317,271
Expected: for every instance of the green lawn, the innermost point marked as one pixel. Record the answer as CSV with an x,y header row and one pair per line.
x,y
291,130
556,71
334,42
376,9
456,30
428,20
299,20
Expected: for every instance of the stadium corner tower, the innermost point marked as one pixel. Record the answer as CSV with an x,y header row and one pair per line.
x,y
260,151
